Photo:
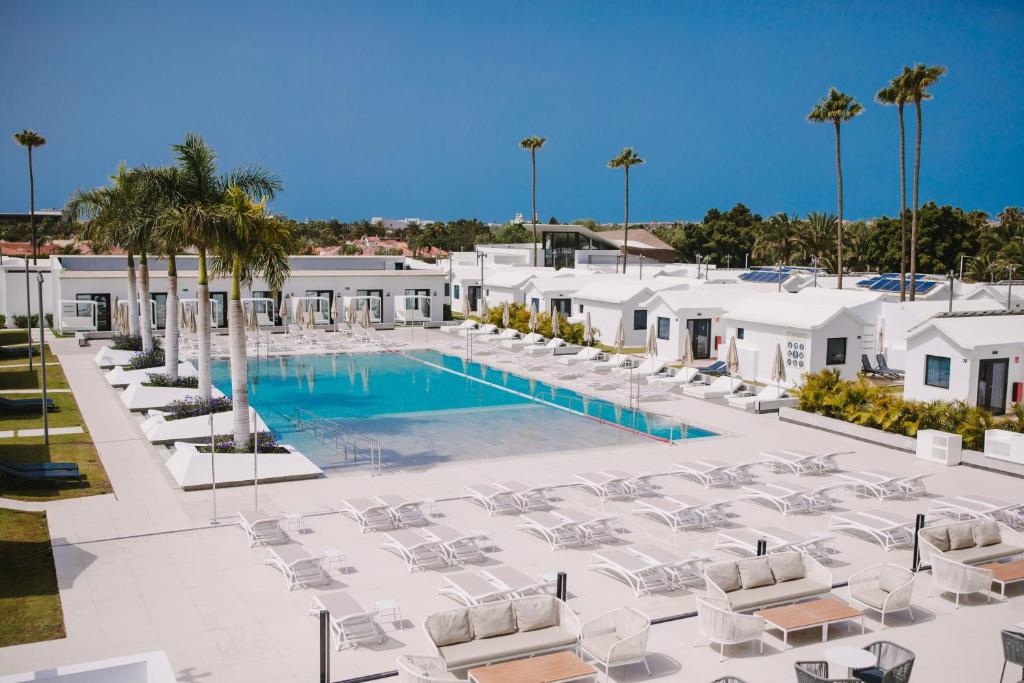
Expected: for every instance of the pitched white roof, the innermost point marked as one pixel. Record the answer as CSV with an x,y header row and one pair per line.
x,y
558,284
786,310
973,331
512,277
708,297
612,290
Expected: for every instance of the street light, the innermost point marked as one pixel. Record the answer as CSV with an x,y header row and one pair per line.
x,y
1009,295
698,265
42,355
814,264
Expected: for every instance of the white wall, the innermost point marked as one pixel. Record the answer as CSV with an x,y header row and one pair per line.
x,y
605,318
672,348
12,296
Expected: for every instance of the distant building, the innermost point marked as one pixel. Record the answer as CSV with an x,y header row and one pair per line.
x,y
41,214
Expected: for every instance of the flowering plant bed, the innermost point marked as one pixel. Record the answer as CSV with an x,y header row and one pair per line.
x,y
225,443
194,406
146,359
160,379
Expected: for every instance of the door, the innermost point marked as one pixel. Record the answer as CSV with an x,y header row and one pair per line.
x,y
473,292
375,302
563,306
420,304
992,374
160,314
323,294
102,309
700,337
220,308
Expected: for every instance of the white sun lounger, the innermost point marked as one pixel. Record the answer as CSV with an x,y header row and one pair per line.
x,y
457,546
826,460
470,589
601,484
635,484
744,542
646,368
371,515
617,360
495,499
298,567
526,340
818,497
913,485
515,582
972,506
418,551
881,485
682,570
351,625
673,515
704,473
817,545
771,396
889,530
710,513
261,528
501,335
784,498
717,389
557,531
1009,513
546,348
403,511
530,497
457,329
785,461
682,377
595,528
585,355
637,572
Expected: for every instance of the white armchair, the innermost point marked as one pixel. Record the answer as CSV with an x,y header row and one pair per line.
x,y
616,638
420,669
950,576
717,623
882,587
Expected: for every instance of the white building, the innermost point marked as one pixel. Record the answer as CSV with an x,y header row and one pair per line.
x,y
698,310
12,286
613,299
555,293
974,357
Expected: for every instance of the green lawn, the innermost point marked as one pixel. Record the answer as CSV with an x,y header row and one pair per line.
x,y
21,378
13,337
29,601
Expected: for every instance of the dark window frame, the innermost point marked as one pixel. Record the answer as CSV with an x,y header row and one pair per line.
x,y
927,370
834,357
667,323
639,319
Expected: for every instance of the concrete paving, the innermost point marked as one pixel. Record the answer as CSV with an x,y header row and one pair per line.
x,y
144,569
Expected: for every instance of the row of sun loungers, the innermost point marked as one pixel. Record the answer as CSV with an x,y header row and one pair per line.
x,y
679,512
508,497
648,568
710,473
568,527
389,511
975,506
889,530
744,541
491,584
884,485
800,462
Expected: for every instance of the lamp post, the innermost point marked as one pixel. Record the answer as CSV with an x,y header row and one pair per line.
x,y
480,256
28,314
814,264
698,265
950,291
1009,293
780,276
42,356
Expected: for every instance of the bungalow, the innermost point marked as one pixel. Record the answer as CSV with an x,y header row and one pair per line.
x,y
811,336
614,299
673,312
548,294
972,356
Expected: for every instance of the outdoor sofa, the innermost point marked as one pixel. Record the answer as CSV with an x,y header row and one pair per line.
x,y
773,579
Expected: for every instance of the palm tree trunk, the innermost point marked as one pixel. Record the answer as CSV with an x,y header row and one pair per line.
x,y
903,209
32,212
839,226
203,328
145,308
625,232
171,322
133,298
533,218
913,220
239,360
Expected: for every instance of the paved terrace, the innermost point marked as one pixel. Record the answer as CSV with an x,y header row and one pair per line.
x,y
144,569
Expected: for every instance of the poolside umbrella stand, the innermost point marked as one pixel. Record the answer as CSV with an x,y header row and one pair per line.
x,y
352,311
366,315
505,316
687,350
620,337
652,342
555,326
778,368
588,330
732,359
334,313
533,320
465,307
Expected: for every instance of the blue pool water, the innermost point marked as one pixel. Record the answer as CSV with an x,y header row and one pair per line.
x,y
425,407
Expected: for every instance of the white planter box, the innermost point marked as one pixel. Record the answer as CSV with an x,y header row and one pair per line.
x,y
119,377
1004,445
107,357
138,397
160,430
941,448
192,469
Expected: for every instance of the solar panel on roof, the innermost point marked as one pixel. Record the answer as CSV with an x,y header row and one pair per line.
x,y
868,282
766,276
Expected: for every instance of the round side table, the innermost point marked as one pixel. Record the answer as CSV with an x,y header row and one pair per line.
x,y
850,657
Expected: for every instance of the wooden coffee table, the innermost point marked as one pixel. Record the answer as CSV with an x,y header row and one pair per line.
x,y
809,614
1005,573
558,667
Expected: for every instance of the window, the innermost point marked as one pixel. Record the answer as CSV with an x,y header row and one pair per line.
x,y
835,351
535,304
581,308
936,371
457,292
663,328
447,289
739,333
639,320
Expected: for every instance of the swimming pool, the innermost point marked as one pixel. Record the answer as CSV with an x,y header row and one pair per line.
x,y
425,407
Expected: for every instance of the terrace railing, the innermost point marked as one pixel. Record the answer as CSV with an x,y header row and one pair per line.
x,y
348,443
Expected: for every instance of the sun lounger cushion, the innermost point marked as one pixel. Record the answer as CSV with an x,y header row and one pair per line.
x,y
786,566
755,572
961,536
874,596
521,643
776,593
986,532
725,575
937,537
974,555
449,628
492,620
890,578
535,612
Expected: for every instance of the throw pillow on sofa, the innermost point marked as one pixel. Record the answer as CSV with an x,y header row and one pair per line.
x,y
961,536
538,611
755,572
937,537
986,532
449,628
724,575
492,620
891,578
786,566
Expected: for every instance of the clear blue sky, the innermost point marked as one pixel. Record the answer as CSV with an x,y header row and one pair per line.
x,y
416,108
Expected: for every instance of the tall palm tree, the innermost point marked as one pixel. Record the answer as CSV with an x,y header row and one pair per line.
x,y
30,139
249,243
896,93
837,108
775,241
533,144
817,237
198,197
169,240
626,158
916,81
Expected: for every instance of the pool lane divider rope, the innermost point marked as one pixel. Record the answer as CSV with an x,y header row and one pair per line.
x,y
532,398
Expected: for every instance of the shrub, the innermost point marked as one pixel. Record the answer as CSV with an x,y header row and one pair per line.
x,y
193,406
519,319
127,342
160,379
226,444
48,319
21,322
3,321
143,360
868,405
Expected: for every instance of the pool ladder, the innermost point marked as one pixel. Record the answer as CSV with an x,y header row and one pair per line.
x,y
347,442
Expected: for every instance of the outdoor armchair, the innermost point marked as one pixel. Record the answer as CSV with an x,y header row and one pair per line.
x,y
817,672
882,587
616,638
717,623
893,664
1013,650
950,576
420,669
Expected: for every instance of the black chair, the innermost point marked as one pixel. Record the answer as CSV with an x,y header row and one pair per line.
x,y
1013,650
883,366
40,474
865,367
24,405
817,672
719,367
728,679
893,663
33,466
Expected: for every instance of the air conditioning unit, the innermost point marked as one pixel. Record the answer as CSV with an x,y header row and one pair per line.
x,y
941,448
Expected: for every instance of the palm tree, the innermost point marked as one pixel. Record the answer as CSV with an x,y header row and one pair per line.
x,y
777,236
818,238
896,93
249,243
624,160
30,140
533,144
169,241
837,108
916,82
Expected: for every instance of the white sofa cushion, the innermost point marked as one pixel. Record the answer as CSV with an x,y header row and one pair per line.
x,y
776,593
937,537
536,612
988,553
786,566
724,575
491,620
461,655
890,578
986,532
961,536
449,628
755,573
